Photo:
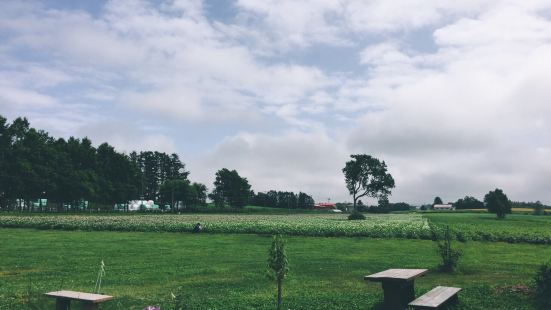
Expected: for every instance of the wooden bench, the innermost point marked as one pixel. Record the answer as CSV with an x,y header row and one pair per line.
x,y
397,286
439,296
89,301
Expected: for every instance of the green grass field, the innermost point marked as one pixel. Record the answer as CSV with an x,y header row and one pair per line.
x,y
151,257
227,271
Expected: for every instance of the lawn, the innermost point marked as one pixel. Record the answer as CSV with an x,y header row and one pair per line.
x,y
227,271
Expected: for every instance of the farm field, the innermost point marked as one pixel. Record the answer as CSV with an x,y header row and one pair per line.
x,y
227,271
388,225
485,226
516,228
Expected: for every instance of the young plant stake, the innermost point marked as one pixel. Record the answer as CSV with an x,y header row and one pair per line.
x,y
278,265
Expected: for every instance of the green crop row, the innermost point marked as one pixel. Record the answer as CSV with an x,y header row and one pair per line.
x,y
378,226
515,228
412,226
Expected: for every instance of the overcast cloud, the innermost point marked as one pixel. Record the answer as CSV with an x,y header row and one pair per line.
x,y
453,95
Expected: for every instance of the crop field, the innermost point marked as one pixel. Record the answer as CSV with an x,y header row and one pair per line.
x,y
516,228
227,271
380,226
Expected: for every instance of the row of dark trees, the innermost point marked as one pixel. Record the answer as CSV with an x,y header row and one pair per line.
x,y
279,199
34,165
495,201
235,191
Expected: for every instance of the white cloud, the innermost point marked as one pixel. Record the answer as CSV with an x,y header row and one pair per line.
x,y
127,136
181,64
467,118
292,24
465,115
20,98
295,161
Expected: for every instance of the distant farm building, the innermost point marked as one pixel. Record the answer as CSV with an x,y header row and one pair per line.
x,y
443,207
325,206
137,205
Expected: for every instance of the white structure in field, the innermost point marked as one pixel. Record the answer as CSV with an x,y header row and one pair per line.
x,y
443,207
134,205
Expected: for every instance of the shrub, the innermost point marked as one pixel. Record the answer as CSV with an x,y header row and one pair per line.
x,y
449,255
539,208
278,266
543,285
497,202
355,215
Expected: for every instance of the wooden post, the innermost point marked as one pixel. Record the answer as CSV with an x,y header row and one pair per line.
x,y
397,294
90,306
62,304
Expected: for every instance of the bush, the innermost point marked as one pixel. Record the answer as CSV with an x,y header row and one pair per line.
x,y
543,285
450,256
539,208
355,215
497,202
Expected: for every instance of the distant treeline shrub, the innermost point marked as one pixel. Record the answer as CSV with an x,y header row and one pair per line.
x,y
386,207
282,199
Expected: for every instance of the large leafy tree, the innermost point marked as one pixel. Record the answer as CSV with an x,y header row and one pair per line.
x,y
286,200
17,166
84,177
366,176
230,189
468,203
173,191
497,202
200,191
305,201
155,169
5,146
28,163
118,180
280,199
182,190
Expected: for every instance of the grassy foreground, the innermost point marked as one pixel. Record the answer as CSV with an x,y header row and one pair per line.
x,y
218,271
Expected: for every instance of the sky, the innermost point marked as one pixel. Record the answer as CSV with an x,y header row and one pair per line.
x,y
453,95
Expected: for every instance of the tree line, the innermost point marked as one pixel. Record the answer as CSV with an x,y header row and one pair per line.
x,y
69,172
233,190
280,199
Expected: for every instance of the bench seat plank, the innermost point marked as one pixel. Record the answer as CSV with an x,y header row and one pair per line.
x,y
435,297
88,297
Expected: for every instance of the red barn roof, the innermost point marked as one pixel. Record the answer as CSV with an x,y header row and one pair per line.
x,y
325,205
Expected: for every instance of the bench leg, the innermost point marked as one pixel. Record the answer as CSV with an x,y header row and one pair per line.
x,y
62,304
397,295
89,306
454,300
